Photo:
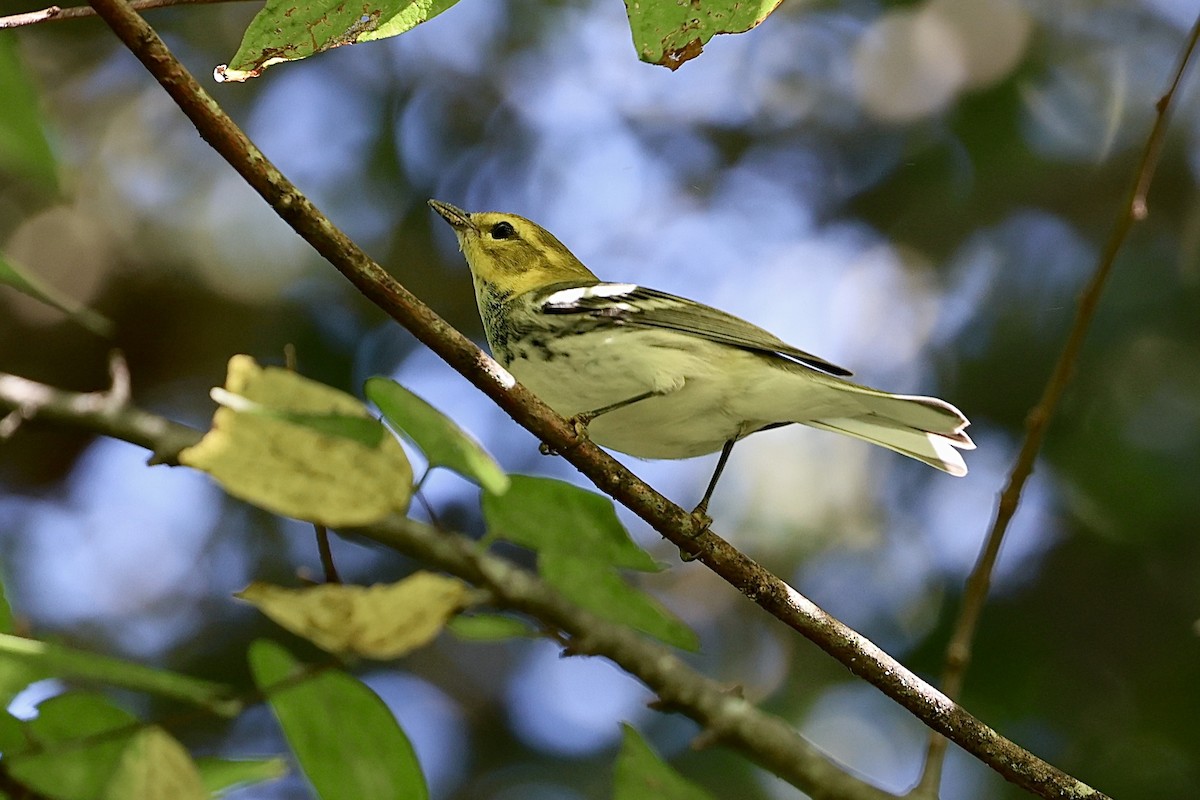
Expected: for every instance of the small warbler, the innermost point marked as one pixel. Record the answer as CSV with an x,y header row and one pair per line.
x,y
657,376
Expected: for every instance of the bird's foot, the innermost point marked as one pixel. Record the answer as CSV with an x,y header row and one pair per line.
x,y
702,523
578,424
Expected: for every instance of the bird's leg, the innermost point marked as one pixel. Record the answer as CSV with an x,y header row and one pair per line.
x,y
700,512
580,421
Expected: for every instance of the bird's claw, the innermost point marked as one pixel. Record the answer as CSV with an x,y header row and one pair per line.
x,y
703,523
578,424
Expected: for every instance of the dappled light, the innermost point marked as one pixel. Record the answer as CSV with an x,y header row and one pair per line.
x,y
915,191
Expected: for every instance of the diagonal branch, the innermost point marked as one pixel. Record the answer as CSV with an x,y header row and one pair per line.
x,y
59,14
850,648
958,652
726,717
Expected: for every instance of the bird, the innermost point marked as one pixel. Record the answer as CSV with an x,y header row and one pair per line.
x,y
657,376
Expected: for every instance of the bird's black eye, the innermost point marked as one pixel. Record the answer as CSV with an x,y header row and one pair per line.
x,y
503,230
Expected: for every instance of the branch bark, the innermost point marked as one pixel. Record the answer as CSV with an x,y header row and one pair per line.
x,y
1134,209
60,14
726,717
854,651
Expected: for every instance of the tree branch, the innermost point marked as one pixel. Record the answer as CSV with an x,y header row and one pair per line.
x,y
958,651
59,14
106,412
726,718
850,648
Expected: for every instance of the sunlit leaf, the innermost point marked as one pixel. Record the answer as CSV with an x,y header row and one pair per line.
x,y
221,775
363,430
641,774
547,514
29,284
344,737
607,595
436,435
293,467
382,621
155,767
580,544
669,33
288,31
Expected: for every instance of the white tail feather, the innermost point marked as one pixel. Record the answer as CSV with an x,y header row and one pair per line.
x,y
935,449
927,414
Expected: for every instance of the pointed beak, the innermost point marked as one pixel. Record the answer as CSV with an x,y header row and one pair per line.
x,y
459,220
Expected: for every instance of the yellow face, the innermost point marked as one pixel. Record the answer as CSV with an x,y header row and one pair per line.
x,y
510,252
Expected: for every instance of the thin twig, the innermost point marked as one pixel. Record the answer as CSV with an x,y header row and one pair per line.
x,y
60,14
324,551
958,652
782,601
331,573
107,410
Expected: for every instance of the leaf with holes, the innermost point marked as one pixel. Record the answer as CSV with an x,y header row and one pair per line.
x,y
670,32
287,30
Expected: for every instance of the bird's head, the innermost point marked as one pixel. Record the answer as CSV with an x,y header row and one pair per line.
x,y
509,252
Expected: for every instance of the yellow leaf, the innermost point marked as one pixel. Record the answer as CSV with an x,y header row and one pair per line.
x,y
154,766
296,448
384,621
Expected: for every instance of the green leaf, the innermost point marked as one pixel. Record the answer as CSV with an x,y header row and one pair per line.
x,y
27,283
7,623
221,775
606,595
24,149
155,767
384,621
580,542
344,737
436,435
296,469
286,30
669,33
641,774
76,743
12,733
489,627
45,659
545,514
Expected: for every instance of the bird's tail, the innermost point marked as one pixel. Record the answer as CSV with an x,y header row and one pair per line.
x,y
924,428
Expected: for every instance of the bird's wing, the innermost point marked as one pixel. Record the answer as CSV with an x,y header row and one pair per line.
x,y
628,304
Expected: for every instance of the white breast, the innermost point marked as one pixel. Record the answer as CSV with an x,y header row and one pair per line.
x,y
699,382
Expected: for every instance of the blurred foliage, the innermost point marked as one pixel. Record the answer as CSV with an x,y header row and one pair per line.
x,y
916,190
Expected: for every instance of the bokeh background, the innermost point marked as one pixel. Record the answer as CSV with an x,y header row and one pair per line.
x,y
915,190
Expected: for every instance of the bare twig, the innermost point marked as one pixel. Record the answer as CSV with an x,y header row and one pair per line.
x,y
958,652
59,14
108,411
772,594
327,565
